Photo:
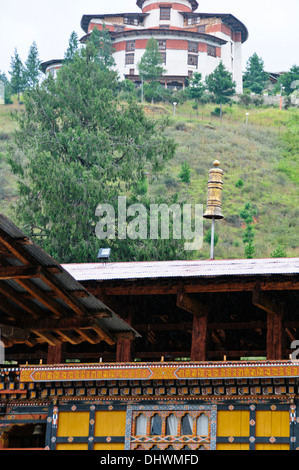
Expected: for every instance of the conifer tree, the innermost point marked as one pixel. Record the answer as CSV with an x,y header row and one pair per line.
x,y
220,83
81,147
32,67
255,77
73,47
150,66
17,72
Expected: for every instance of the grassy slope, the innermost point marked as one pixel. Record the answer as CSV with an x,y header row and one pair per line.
x,y
252,153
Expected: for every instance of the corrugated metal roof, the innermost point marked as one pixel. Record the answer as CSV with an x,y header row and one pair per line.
x,y
49,286
177,269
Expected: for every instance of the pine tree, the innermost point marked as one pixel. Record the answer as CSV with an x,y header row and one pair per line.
x,y
255,77
100,47
32,70
196,87
150,66
185,175
81,148
73,47
220,83
247,214
17,72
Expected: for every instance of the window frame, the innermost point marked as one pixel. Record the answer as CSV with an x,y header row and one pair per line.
x,y
130,56
193,57
165,13
163,441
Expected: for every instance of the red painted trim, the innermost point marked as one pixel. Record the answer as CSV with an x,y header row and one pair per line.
x,y
174,6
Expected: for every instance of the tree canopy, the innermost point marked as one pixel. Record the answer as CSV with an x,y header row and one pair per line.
x,y
220,83
255,77
76,147
150,66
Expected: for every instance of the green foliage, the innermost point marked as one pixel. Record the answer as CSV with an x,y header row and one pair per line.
x,y
289,164
255,77
279,252
247,214
17,72
32,67
80,147
289,80
73,47
99,48
150,67
207,238
185,173
239,184
196,87
220,83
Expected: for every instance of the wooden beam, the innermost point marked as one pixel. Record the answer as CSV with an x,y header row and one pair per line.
x,y
266,301
190,303
47,338
190,287
69,337
199,337
18,299
124,350
42,296
54,354
15,246
62,324
88,336
104,335
275,329
18,272
68,298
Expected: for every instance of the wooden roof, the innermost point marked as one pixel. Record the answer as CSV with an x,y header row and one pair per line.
x,y
40,302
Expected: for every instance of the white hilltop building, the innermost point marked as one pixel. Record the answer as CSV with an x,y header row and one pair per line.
x,y
189,41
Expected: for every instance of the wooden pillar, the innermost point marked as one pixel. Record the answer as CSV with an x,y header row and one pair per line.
x,y
274,336
124,350
199,338
274,311
54,354
199,310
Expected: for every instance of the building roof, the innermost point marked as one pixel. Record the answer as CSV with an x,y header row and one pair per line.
x,y
48,63
193,3
163,32
183,269
86,19
41,302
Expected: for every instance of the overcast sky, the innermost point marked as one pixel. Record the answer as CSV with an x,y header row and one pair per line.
x,y
273,26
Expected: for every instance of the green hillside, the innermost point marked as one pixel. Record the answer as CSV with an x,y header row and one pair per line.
x,y
259,169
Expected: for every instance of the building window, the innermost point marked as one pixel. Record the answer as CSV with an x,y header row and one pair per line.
x,y
192,60
165,13
211,51
130,59
162,45
163,55
201,29
192,47
118,28
172,428
130,46
131,21
193,20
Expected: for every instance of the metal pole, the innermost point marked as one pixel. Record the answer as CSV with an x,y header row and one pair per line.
x,y
212,238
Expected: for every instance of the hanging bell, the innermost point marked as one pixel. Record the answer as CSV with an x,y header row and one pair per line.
x,y
215,185
38,430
